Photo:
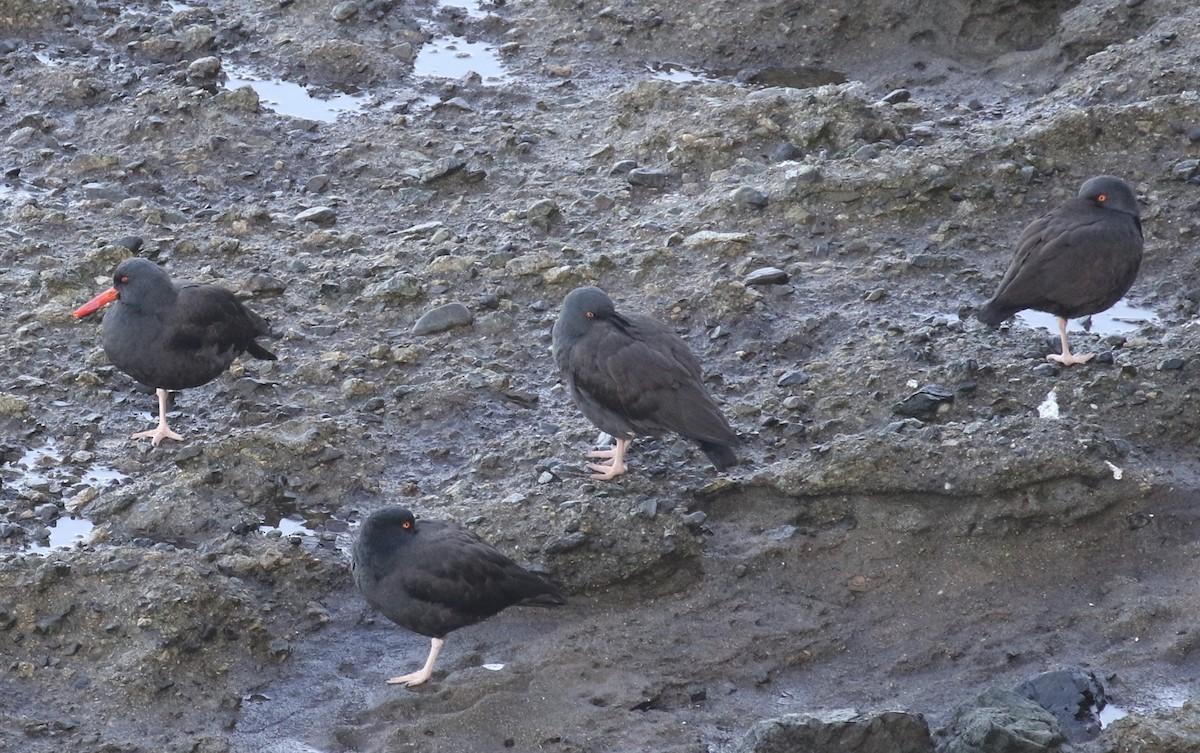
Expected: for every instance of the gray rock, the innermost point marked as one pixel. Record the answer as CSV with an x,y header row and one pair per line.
x,y
648,177
1185,169
560,544
622,167
867,152
793,379
695,519
896,96
206,68
1171,730
441,168
344,11
316,183
542,213
839,732
104,191
751,197
1000,721
1193,134
443,318
1074,695
318,215
401,286
766,276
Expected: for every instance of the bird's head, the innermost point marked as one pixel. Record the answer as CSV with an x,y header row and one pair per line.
x,y
1110,193
392,523
581,310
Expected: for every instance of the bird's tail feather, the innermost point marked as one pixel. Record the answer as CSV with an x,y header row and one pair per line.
x,y
722,456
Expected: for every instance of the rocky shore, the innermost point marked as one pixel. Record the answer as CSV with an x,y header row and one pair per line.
x,y
936,540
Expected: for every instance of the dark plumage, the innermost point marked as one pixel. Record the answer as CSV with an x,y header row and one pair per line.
x,y
631,377
171,337
433,577
1078,260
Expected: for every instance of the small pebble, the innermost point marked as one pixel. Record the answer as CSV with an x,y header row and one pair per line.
x,y
344,11
695,519
317,215
648,177
793,379
766,276
751,197
443,318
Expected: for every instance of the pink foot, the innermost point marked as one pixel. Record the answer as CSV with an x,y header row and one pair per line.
x,y
1070,359
158,435
616,461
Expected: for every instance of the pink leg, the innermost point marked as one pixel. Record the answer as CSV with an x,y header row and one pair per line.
x,y
424,673
163,431
1066,359
615,467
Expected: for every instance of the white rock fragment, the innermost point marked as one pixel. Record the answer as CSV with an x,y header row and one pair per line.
x,y
1048,408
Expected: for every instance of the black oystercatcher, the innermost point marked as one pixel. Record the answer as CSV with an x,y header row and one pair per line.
x,y
171,337
632,377
433,577
1078,260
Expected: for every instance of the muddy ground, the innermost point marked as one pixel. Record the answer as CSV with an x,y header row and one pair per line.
x,y
858,558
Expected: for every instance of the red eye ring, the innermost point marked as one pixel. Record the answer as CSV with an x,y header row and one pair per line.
x,y
590,314
406,525
1102,198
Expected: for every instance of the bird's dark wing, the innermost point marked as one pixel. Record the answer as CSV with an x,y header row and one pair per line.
x,y
208,319
459,579
643,379
1072,265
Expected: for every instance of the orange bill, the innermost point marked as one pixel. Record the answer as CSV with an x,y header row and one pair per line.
x,y
96,303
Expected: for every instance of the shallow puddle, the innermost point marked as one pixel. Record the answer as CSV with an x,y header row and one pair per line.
x,y
674,73
287,527
43,469
455,57
293,100
1121,319
65,533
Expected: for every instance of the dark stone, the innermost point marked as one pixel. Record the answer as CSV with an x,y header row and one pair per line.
x,y
924,402
648,177
1000,721
751,197
560,544
793,379
896,96
1172,364
1193,134
839,731
1074,695
786,151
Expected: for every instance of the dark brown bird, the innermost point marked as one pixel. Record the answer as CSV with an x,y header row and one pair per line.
x,y
1078,260
633,377
432,577
172,337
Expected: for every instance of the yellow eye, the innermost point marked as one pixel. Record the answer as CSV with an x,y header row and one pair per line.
x,y
406,525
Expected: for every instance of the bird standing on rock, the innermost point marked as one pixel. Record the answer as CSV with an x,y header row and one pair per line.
x,y
171,337
1078,260
432,577
632,377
